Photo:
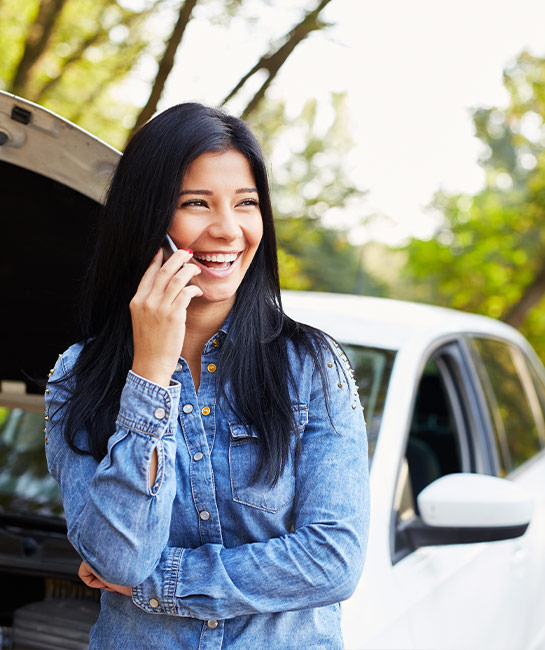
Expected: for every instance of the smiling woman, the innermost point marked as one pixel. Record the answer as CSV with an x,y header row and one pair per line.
x,y
221,222
211,452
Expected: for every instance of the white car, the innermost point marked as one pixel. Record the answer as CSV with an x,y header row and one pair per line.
x,y
454,406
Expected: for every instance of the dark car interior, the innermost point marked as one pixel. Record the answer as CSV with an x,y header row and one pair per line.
x,y
46,230
433,448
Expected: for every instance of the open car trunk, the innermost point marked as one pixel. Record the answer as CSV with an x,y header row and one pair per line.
x,y
53,177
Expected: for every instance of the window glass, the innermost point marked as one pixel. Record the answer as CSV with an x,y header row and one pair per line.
x,y
433,448
539,386
372,369
437,433
25,485
515,429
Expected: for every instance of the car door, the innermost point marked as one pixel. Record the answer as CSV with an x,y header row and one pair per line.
x,y
461,595
513,383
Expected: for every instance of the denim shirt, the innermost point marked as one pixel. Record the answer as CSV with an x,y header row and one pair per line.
x,y
216,561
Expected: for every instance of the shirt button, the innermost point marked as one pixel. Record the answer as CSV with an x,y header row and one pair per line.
x,y
204,515
212,624
179,367
160,413
211,367
153,602
205,410
198,456
215,343
187,408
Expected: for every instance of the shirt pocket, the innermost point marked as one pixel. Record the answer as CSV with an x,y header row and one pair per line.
x,y
243,459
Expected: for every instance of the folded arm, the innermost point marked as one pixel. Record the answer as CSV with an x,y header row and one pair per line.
x,y
118,520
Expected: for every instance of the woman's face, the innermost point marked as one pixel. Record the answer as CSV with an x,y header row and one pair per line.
x,y
218,217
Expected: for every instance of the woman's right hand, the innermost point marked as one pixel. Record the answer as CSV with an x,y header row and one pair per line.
x,y
158,314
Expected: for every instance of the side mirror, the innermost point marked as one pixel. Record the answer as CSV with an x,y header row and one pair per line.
x,y
469,508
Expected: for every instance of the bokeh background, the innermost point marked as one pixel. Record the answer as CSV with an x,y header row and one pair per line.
x,y
406,139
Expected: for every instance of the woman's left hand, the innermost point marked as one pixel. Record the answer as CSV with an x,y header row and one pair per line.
x,y
93,581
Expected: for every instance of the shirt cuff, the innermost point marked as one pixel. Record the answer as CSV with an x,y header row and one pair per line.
x,y
157,594
147,407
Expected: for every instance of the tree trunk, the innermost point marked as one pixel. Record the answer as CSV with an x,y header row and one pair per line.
x,y
532,295
273,62
36,42
166,64
74,58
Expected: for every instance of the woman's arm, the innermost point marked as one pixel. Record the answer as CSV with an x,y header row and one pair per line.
x,y
118,520
118,510
319,563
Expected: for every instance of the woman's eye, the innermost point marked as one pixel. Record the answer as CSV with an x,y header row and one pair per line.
x,y
251,202
193,203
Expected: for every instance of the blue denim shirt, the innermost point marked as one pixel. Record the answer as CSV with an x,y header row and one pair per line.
x,y
214,560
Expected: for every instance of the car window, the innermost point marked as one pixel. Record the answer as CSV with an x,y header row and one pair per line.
x,y
433,447
538,384
25,485
509,391
440,440
372,370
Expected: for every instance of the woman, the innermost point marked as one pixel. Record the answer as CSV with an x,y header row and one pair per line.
x,y
210,451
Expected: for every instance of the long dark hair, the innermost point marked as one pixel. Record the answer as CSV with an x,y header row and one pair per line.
x,y
132,226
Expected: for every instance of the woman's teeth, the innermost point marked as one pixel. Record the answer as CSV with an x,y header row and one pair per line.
x,y
220,257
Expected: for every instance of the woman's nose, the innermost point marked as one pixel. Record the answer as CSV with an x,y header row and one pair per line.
x,y
226,225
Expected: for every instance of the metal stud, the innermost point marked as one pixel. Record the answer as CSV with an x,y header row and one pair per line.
x,y
330,365
47,390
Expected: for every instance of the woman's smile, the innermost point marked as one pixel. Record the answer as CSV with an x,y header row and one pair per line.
x,y
221,262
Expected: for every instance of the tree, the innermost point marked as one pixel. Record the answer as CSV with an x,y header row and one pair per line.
x,y
36,43
67,56
488,254
167,62
309,180
275,59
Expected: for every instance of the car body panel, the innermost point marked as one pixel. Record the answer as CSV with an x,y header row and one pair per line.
x,y
464,596
53,146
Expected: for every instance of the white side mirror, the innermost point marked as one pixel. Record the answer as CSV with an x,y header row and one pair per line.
x,y
474,501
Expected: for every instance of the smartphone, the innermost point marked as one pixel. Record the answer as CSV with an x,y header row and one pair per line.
x,y
169,247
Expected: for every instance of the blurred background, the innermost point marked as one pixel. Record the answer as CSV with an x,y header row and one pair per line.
x,y
406,139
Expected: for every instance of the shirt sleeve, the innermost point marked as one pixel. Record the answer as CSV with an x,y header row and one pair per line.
x,y
111,504
319,563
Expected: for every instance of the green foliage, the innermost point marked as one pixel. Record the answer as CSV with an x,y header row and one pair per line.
x,y
308,180
94,44
490,247
15,19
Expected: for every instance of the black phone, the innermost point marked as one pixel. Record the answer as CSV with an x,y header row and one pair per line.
x,y
169,247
